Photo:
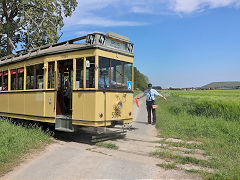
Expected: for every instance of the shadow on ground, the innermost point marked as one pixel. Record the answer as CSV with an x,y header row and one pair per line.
x,y
86,135
90,135
140,122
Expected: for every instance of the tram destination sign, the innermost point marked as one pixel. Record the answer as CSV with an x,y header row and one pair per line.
x,y
111,40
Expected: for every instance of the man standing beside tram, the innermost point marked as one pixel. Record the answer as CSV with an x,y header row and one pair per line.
x,y
150,102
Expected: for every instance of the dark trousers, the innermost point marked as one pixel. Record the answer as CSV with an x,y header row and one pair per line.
x,y
151,110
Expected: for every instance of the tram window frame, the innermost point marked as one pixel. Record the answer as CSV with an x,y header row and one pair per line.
x,y
20,80
5,73
110,66
90,72
30,77
116,74
37,72
127,79
103,73
39,76
79,73
13,79
17,78
51,75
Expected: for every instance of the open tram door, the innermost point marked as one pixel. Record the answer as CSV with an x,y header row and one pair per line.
x,y
64,95
64,88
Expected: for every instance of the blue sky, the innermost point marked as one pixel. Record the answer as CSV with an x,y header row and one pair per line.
x,y
178,43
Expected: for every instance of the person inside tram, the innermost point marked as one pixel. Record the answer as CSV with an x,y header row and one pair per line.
x,y
4,87
104,80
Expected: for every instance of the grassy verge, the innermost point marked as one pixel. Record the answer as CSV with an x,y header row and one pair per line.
x,y
168,166
181,159
192,116
107,145
182,144
16,141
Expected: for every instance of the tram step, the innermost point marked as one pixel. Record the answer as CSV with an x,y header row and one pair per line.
x,y
64,124
64,129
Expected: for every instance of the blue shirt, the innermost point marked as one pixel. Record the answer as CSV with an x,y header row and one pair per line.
x,y
151,94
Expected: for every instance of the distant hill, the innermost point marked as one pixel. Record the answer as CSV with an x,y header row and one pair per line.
x,y
222,84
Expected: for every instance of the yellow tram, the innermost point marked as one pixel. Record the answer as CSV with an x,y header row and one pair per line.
x,y
87,81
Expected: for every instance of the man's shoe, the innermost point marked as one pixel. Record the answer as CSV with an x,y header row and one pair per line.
x,y
153,123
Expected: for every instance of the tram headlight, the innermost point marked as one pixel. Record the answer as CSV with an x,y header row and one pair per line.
x,y
118,106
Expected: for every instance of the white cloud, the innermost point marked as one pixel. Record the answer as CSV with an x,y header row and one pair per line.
x,y
114,13
189,6
93,13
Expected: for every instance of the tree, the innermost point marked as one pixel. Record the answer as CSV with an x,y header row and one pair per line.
x,y
32,23
140,80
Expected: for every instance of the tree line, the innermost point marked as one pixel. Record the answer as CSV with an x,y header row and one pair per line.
x,y
140,80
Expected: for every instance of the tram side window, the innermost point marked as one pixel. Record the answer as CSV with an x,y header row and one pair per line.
x,y
79,71
30,77
35,76
1,80
5,81
51,75
90,73
17,76
104,75
13,79
39,76
20,80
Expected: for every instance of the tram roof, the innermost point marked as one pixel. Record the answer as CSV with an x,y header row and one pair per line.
x,y
109,42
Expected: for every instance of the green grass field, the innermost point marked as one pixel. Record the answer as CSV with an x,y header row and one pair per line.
x,y
210,117
16,141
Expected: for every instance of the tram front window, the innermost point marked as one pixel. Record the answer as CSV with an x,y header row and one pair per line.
x,y
114,74
104,78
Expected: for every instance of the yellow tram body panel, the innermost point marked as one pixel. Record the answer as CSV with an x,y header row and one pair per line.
x,y
28,105
87,107
90,106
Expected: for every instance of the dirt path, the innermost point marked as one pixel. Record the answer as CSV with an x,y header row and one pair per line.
x,y
75,160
